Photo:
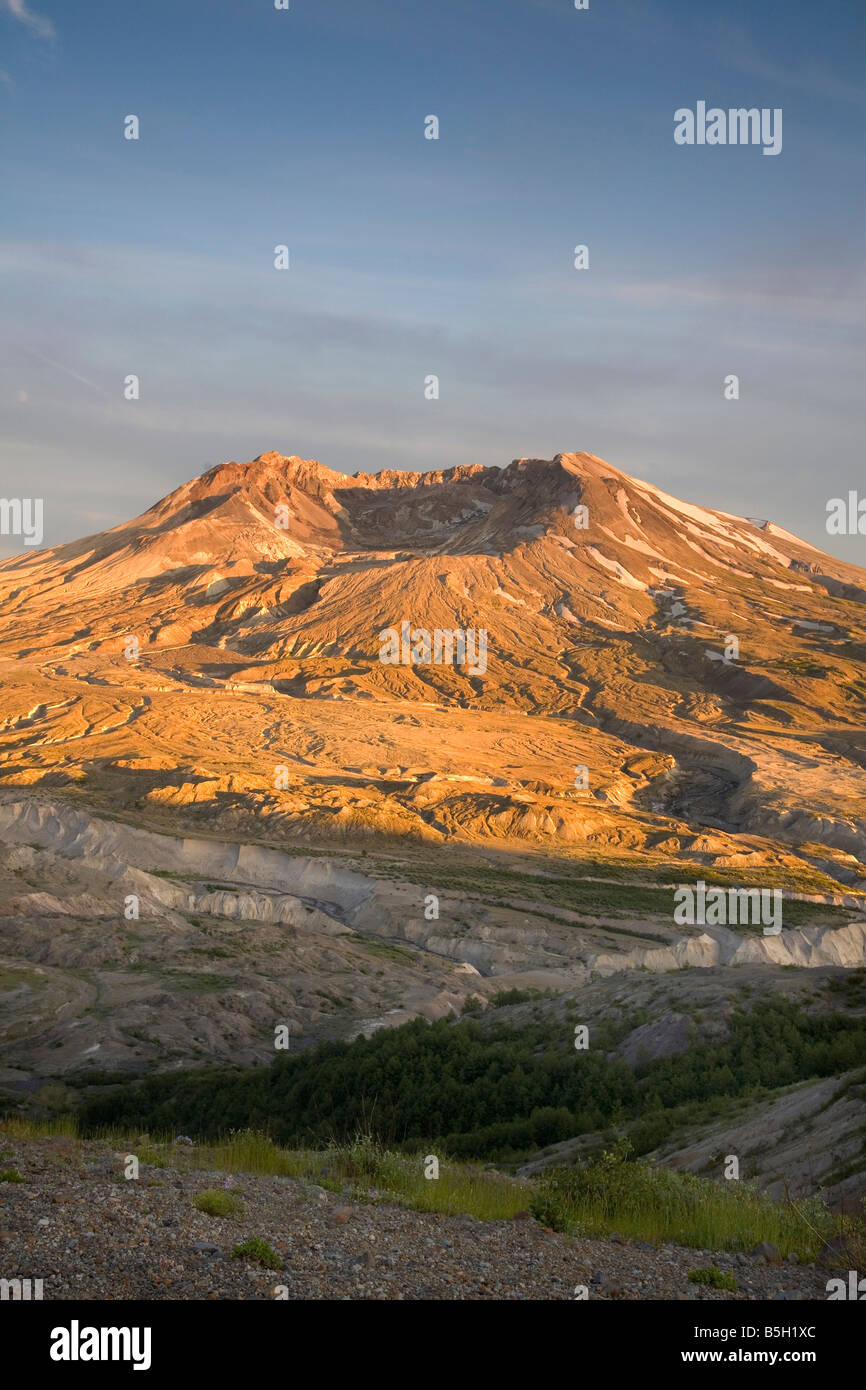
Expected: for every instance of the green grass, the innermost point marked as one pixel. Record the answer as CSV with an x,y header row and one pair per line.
x,y
366,1169
661,1206
14,979
259,1251
63,1126
459,1188
611,886
362,1167
714,1277
800,666
217,1202
602,1196
384,949
11,1175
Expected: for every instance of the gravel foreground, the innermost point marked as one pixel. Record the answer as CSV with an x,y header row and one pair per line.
x,y
87,1233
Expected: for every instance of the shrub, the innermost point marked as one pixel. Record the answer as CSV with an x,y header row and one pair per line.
x,y
471,1086
518,996
647,1203
714,1277
259,1251
365,1161
217,1203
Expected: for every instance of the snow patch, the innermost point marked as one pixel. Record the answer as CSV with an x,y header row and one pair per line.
x,y
561,610
631,542
707,519
619,570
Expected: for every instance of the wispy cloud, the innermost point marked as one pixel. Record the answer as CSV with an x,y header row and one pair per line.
x,y
76,376
779,297
731,45
736,49
38,25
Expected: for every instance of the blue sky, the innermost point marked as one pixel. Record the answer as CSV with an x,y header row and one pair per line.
x,y
411,256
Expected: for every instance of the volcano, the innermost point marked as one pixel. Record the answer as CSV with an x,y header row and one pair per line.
x,y
654,670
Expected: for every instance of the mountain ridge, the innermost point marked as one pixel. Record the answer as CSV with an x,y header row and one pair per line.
x,y
706,669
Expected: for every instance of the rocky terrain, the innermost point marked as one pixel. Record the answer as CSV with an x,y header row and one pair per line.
x,y
221,812
795,1143
87,1233
201,970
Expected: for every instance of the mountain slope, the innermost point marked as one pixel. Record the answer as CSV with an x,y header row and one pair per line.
x,y
707,670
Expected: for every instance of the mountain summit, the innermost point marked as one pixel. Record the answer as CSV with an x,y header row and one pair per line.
x,y
709,666
262,556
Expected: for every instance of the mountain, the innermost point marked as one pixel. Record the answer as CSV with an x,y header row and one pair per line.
x,y
222,812
705,669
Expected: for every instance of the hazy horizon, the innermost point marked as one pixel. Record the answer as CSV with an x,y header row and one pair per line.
x,y
411,257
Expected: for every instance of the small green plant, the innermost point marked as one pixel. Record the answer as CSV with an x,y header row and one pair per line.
x,y
11,1175
218,1203
713,1276
364,1160
258,1250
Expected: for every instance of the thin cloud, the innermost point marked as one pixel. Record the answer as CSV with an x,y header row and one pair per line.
x,y
732,46
34,352
695,290
736,49
38,25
